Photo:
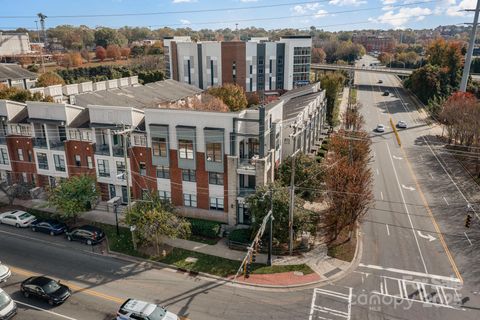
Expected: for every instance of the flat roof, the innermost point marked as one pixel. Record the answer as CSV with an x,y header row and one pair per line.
x,y
296,105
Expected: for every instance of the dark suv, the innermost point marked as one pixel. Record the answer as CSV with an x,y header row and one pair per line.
x,y
88,234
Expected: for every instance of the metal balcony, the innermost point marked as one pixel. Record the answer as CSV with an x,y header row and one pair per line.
x,y
102,149
40,143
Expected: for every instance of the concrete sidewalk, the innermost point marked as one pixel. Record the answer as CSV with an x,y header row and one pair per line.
x,y
342,107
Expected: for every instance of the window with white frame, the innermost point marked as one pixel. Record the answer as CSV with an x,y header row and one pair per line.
x,y
143,168
215,178
214,152
189,175
74,134
140,140
103,168
165,195
159,146
90,162
86,135
163,172
42,161
120,169
59,161
78,160
216,204
4,156
20,154
190,200
185,148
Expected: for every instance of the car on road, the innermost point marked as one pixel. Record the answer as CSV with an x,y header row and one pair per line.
x,y
17,218
8,307
141,310
386,93
50,226
401,124
88,234
45,288
380,81
5,273
380,128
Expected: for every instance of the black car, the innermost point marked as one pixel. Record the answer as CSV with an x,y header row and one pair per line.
x,y
88,234
50,226
386,93
45,288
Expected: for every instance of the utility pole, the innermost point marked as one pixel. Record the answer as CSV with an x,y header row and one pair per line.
x,y
292,192
471,44
270,233
42,18
126,135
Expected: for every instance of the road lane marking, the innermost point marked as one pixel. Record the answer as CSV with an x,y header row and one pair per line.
x,y
468,238
381,195
406,209
446,201
74,287
44,310
408,188
431,176
388,231
378,173
429,237
424,200
397,158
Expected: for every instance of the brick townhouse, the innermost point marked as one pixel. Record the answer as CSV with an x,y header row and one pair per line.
x,y
205,162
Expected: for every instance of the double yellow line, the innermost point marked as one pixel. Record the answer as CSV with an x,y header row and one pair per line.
x,y
75,288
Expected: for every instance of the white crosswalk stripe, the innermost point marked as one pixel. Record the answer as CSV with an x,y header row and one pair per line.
x,y
330,305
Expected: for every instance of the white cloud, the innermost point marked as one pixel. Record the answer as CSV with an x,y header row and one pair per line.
x,y
387,2
404,15
347,2
248,0
183,1
303,9
184,21
388,8
321,13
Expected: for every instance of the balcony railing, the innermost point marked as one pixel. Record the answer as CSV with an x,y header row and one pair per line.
x,y
57,145
118,151
247,164
3,140
102,149
40,143
246,191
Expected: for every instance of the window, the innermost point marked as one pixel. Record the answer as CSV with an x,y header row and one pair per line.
x,y
140,140
189,200
4,156
251,69
30,156
78,160
59,161
214,151
90,162
185,148
215,178
163,172
86,135
270,65
42,161
20,154
216,203
143,168
159,146
103,169
120,169
188,175
73,134
165,195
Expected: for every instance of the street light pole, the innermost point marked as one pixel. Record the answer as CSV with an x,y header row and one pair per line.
x,y
292,193
471,44
270,233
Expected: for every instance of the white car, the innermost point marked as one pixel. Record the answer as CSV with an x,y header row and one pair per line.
x,y
380,128
402,124
5,273
140,310
8,307
17,218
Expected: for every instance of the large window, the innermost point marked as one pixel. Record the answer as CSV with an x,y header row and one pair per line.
x,y
165,195
189,175
216,203
59,161
140,140
4,156
143,168
163,172
20,154
189,200
78,160
103,169
214,151
120,169
159,146
42,161
185,148
215,178
90,162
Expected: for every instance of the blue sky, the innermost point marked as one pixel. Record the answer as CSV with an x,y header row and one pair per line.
x,y
330,15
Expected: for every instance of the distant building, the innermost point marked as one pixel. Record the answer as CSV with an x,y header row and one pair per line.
x,y
374,43
256,65
14,44
13,75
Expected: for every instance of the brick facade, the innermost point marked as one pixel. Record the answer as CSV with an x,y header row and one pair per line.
x,y
225,184
84,150
234,52
175,179
27,165
203,200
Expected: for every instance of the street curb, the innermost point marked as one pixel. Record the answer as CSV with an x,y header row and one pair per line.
x,y
353,264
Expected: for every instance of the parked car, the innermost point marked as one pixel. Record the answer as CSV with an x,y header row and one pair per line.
x,y
401,124
17,218
88,234
136,309
8,308
386,93
5,273
45,288
50,226
380,128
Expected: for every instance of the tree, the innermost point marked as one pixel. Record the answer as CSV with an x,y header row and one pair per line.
x,y
125,52
100,53
318,55
85,55
425,82
253,99
231,94
21,95
107,36
155,219
49,79
74,196
209,103
259,204
332,83
15,191
72,59
113,52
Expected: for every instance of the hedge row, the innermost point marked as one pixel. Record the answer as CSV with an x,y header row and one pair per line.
x,y
240,235
204,228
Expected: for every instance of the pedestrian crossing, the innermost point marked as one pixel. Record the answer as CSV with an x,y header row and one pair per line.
x,y
331,305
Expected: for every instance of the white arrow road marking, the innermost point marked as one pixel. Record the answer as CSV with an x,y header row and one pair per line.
x,y
428,236
446,201
469,241
397,158
408,188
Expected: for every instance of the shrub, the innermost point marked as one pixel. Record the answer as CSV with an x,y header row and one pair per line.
x,y
204,228
240,235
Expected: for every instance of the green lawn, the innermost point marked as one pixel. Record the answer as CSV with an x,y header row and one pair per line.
x,y
204,240
278,269
121,243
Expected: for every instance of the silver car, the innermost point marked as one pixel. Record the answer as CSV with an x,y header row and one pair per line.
x,y
17,218
380,128
401,124
5,273
8,307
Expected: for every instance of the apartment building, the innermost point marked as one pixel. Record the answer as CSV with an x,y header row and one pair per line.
x,y
255,65
13,44
205,162
374,43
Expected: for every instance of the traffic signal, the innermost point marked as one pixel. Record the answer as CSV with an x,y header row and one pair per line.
x,y
468,221
254,254
248,269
